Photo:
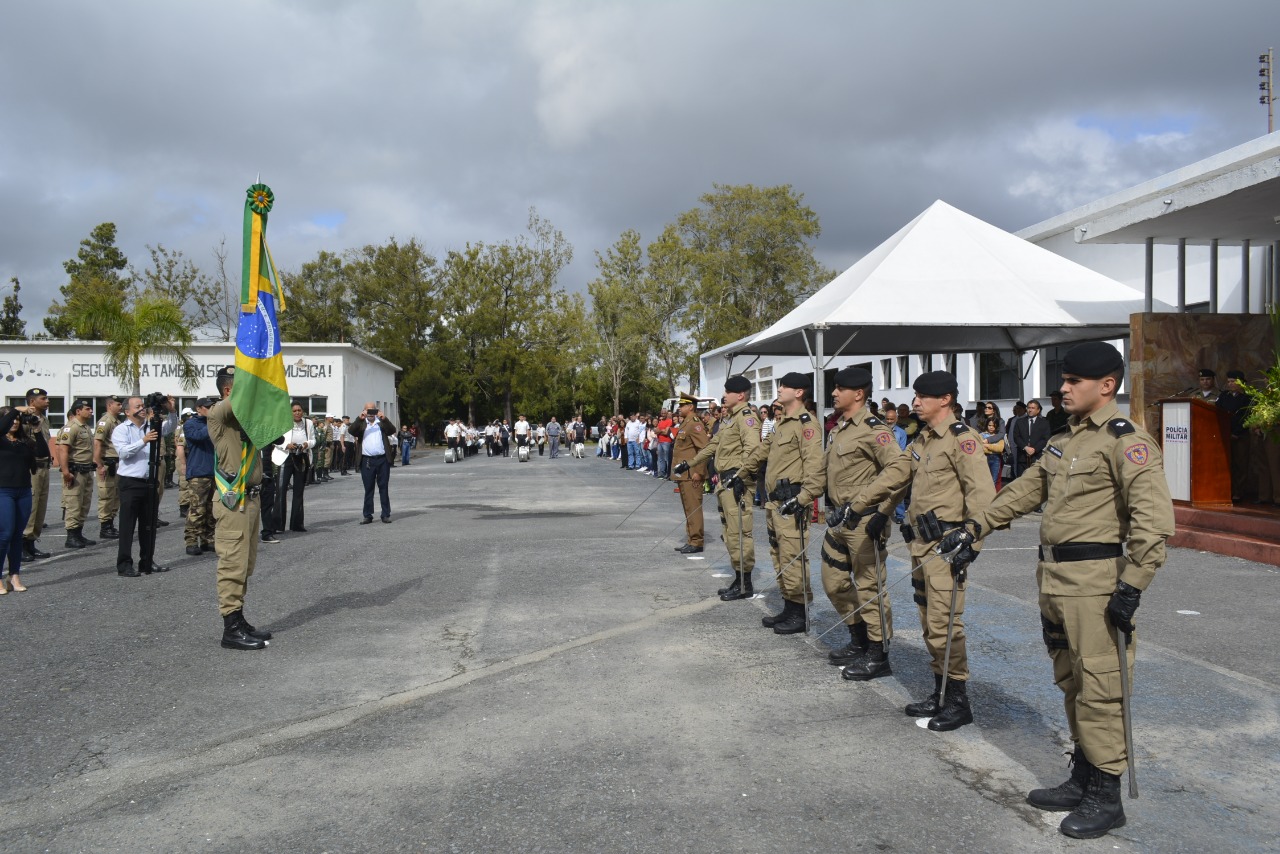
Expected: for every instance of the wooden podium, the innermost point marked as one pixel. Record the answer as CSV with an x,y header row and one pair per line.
x,y
1196,439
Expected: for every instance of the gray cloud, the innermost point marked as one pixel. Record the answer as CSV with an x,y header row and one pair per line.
x,y
447,121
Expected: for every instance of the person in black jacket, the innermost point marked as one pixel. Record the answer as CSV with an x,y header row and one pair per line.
x,y
1030,435
373,433
17,463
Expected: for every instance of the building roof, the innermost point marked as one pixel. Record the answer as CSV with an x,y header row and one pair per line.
x,y
1231,197
212,345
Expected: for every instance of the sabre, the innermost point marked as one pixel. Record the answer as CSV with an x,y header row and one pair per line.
x,y
803,522
641,504
1127,710
884,625
946,655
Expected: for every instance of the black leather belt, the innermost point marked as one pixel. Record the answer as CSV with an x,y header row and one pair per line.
x,y
784,494
1070,552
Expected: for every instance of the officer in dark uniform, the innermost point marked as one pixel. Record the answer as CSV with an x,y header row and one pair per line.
x,y
1107,516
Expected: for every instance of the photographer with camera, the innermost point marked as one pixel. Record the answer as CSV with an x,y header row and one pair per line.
x,y
294,458
373,431
75,457
136,441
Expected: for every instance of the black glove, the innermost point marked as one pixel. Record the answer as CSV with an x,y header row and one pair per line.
x,y
836,516
955,545
876,525
959,571
1121,608
680,468
790,507
739,489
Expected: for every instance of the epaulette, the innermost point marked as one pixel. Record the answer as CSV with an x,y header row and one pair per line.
x,y
1063,429
959,428
874,422
804,418
1120,427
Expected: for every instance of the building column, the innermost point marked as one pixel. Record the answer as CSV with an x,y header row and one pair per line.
x,y
1148,297
1213,276
1244,276
1182,275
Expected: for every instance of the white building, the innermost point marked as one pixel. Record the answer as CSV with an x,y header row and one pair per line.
x,y
325,378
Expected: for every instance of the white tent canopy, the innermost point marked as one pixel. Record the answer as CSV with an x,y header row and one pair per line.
x,y
948,282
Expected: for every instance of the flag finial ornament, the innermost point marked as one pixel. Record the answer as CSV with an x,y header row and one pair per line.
x,y
261,198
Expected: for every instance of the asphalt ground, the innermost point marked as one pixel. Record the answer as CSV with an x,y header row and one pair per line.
x,y
511,666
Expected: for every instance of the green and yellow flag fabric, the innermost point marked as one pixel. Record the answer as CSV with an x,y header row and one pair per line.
x,y
260,396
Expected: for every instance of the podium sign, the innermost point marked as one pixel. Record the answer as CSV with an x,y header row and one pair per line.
x,y
1197,452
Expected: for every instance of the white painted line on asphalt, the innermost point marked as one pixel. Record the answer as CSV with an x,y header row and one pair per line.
x,y
923,723
700,557
1188,613
727,575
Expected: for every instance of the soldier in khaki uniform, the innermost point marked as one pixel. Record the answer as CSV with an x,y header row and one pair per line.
x,y
107,460
75,443
46,455
737,438
692,437
859,449
793,458
1102,481
950,482
236,531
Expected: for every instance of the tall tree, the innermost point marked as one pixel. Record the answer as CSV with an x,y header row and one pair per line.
x,y
750,259
147,324
664,298
12,326
617,317
319,301
97,267
220,305
202,299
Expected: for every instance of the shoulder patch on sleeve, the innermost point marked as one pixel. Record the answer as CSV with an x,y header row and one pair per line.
x,y
873,421
102,423
809,433
1138,454
969,446
883,438
959,428
805,418
1120,427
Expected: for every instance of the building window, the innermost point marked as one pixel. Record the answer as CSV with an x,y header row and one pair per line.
x,y
904,376
886,373
948,363
926,363
1052,366
998,375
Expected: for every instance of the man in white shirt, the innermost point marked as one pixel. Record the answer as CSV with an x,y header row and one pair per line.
x,y
634,434
453,438
373,431
133,440
348,445
296,453
522,431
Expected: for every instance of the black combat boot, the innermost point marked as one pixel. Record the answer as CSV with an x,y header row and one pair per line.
x,y
956,713
107,531
733,587
1065,796
82,539
928,707
773,619
234,635
31,552
1099,810
73,541
873,665
793,624
741,588
856,647
260,634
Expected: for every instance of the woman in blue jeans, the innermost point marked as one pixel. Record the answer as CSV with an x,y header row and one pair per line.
x,y
17,459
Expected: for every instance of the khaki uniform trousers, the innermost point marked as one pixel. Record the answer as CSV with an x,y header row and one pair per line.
x,y
739,540
184,490
1086,666
108,498
931,578
236,541
691,502
786,542
199,528
79,495
39,502
849,577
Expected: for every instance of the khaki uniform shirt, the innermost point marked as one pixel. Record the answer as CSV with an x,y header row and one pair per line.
x,y
42,438
691,439
947,472
229,441
859,449
102,433
78,438
1102,481
793,452
738,436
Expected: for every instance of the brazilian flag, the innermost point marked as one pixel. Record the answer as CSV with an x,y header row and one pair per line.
x,y
260,396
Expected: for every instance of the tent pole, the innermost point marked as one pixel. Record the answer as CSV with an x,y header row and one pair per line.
x,y
819,393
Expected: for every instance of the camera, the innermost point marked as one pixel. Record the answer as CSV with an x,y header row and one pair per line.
x,y
158,403
30,420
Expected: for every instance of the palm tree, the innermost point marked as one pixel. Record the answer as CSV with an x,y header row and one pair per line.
x,y
149,324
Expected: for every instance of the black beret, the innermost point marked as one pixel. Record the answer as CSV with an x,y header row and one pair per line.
x,y
228,371
737,384
1093,360
853,377
206,402
796,379
1235,375
35,392
81,403
936,384
1205,372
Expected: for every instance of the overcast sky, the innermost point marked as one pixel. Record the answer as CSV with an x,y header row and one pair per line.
x,y
446,121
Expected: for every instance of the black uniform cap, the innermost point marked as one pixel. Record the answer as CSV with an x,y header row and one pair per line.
x,y
35,392
737,384
1235,375
1205,372
81,403
228,371
936,384
1093,360
853,377
795,379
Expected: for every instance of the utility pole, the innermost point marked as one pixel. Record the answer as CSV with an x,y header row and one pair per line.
x,y
1268,96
